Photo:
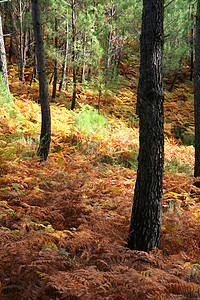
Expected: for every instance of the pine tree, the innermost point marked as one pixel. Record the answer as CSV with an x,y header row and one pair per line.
x,y
147,205
45,136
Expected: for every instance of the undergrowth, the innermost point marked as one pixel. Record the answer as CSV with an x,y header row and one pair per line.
x,y
64,223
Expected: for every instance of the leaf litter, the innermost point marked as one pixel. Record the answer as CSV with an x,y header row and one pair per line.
x,y
64,224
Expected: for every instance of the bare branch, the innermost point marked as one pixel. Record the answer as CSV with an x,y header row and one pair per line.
x,y
168,4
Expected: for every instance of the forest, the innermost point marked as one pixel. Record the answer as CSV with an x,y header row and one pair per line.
x,y
99,149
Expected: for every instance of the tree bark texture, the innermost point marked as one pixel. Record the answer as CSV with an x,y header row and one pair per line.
x,y
147,204
56,63
73,54
3,62
45,137
197,93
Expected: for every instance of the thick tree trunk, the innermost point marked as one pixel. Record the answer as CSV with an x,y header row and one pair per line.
x,y
147,205
197,94
45,136
3,62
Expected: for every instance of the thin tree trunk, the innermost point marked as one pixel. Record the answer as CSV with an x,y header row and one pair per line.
x,y
197,93
99,99
176,76
11,48
89,74
192,43
51,79
34,74
56,64
65,63
21,74
29,52
45,137
83,65
109,50
119,59
73,54
16,41
3,62
23,56
147,205
108,58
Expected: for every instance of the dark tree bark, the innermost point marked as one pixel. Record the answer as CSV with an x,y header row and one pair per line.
x,y
73,53
147,205
11,49
56,63
34,74
197,94
3,62
45,137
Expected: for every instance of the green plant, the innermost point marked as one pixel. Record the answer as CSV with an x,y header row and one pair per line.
x,y
88,120
5,97
185,133
177,166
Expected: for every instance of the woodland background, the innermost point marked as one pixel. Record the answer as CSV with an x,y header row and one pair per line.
x,y
64,223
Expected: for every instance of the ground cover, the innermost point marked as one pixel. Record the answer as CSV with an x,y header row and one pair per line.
x,y
64,223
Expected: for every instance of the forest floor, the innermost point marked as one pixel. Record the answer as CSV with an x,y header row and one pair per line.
x,y
64,223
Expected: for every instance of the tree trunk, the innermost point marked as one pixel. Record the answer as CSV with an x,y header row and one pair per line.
x,y
147,205
197,94
176,76
45,137
192,43
108,59
3,62
34,74
11,48
23,45
83,64
23,56
65,63
73,54
56,64
99,99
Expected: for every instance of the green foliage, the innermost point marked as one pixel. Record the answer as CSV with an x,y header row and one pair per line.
x,y
178,24
185,133
177,166
5,97
88,120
